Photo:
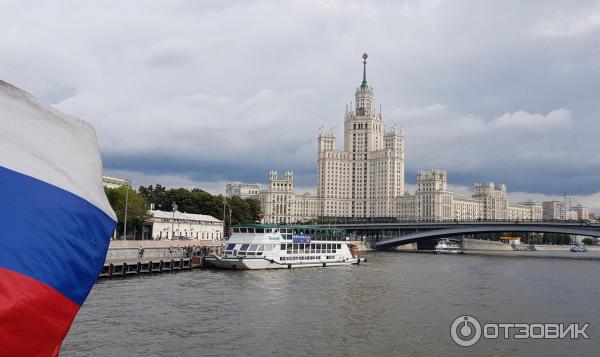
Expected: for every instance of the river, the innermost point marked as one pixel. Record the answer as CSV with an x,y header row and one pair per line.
x,y
397,304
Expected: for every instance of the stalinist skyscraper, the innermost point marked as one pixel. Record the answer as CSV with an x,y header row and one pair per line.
x,y
364,178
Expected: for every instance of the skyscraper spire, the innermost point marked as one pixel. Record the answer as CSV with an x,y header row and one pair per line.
x,y
364,85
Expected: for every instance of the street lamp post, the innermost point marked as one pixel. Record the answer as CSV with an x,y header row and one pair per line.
x,y
126,203
174,205
224,225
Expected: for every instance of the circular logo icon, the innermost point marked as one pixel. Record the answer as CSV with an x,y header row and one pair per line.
x,y
465,331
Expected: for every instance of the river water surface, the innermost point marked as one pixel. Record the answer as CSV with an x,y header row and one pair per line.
x,y
397,304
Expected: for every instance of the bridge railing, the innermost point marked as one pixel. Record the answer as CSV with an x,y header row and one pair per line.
x,y
373,220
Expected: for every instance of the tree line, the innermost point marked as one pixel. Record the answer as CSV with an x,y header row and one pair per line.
x,y
235,210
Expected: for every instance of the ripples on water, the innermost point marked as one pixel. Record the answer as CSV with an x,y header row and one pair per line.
x,y
398,304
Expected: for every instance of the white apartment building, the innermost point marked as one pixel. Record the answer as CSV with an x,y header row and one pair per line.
x,y
243,190
582,212
572,215
554,210
169,224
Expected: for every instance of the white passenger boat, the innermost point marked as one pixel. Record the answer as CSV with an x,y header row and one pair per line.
x,y
259,246
447,246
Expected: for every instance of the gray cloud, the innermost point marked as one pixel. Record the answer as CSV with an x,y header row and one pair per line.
x,y
215,91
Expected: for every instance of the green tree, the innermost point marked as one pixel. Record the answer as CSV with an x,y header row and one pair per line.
x,y
238,210
136,206
590,241
255,211
153,194
201,202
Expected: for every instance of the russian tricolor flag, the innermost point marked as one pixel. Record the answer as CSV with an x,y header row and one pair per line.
x,y
55,222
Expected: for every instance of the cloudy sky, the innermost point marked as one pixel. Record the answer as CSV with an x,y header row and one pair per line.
x,y
199,93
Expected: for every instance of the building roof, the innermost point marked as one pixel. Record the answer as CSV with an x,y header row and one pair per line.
x,y
183,216
290,226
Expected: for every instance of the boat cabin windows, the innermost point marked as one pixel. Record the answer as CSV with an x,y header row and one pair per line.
x,y
259,230
246,249
302,248
230,249
316,234
308,258
243,249
252,249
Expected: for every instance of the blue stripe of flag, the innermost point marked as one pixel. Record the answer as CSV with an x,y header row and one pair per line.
x,y
51,235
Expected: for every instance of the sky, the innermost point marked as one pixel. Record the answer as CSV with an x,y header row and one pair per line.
x,y
201,93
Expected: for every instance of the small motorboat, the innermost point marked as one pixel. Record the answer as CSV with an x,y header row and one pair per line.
x,y
579,248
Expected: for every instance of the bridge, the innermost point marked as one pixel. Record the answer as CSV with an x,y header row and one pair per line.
x,y
387,235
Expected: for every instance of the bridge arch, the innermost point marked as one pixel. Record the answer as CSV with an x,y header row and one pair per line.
x,y
459,231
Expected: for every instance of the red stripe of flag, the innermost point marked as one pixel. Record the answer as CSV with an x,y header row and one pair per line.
x,y
34,318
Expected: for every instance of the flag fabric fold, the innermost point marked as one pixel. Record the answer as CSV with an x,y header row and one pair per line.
x,y
55,222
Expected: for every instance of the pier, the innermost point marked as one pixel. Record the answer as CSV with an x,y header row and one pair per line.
x,y
131,258
148,267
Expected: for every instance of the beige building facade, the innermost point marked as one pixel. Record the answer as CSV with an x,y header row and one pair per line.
x,y
432,201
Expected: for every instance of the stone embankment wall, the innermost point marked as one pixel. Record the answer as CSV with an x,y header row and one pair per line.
x,y
366,246
411,246
476,244
563,248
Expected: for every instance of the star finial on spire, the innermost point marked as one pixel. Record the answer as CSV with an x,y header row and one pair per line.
x,y
364,84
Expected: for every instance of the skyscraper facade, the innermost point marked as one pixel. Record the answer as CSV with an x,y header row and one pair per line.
x,y
367,175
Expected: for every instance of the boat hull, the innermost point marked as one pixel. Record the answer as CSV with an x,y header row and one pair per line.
x,y
256,264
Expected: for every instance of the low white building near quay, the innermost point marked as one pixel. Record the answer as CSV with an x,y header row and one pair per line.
x,y
169,224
